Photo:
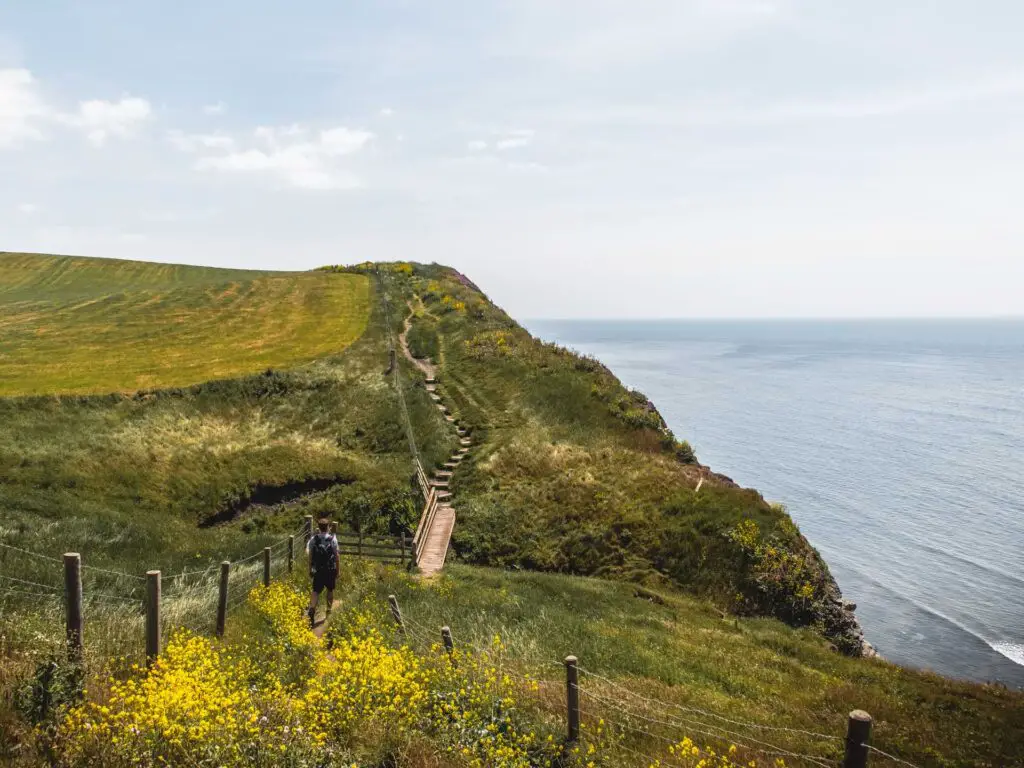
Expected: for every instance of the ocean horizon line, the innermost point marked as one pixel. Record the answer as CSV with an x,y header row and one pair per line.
x,y
787,319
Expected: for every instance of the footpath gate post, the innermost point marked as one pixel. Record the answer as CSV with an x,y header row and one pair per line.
x,y
396,612
858,733
446,638
222,598
572,698
307,528
73,605
152,616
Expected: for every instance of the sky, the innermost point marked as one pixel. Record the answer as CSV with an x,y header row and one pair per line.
x,y
575,158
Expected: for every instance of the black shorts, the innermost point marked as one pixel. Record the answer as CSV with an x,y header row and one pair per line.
x,y
324,580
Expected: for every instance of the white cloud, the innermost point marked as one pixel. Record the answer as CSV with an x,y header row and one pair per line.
x,y
101,119
387,112
25,113
477,146
22,108
28,208
292,153
343,141
215,109
515,139
196,142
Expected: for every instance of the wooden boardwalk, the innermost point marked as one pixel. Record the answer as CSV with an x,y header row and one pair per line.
x,y
438,538
442,523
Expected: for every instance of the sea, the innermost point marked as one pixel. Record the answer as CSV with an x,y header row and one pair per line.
x,y
896,446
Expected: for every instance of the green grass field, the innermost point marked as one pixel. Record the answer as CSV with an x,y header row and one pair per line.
x,y
570,473
671,648
77,325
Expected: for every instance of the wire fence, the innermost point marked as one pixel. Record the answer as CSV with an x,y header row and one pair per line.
x,y
638,724
654,730
116,603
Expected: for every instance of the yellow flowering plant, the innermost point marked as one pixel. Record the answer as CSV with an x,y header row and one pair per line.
x,y
276,695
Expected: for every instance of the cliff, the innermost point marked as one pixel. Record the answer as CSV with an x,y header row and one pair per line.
x,y
577,474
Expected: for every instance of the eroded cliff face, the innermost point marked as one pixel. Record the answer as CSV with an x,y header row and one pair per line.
x,y
832,615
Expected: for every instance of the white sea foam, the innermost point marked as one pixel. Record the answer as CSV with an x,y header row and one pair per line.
x,y
1013,651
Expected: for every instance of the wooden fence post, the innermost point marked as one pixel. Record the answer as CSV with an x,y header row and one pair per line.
x,y
858,733
307,528
73,605
446,638
291,552
222,598
266,566
402,538
572,698
152,616
396,612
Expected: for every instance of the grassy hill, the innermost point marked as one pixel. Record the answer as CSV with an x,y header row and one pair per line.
x,y
577,474
571,474
678,651
75,325
665,681
271,396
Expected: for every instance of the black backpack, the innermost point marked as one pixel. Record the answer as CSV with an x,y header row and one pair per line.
x,y
321,553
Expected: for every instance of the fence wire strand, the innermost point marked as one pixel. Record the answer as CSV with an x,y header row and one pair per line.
x,y
696,726
16,591
705,713
890,757
32,583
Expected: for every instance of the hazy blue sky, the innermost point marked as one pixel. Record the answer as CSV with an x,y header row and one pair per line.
x,y
575,158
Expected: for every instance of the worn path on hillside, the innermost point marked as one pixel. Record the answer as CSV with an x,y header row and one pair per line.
x,y
438,537
429,370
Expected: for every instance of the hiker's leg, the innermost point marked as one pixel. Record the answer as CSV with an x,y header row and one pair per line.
x,y
329,584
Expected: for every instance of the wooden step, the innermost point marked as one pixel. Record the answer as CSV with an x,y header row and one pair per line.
x,y
431,380
435,550
439,482
466,441
441,495
451,465
449,418
435,397
442,473
431,387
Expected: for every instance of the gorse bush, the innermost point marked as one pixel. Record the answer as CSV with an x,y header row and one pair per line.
x,y
277,696
243,704
423,340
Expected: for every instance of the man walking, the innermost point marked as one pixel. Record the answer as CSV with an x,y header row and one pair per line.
x,y
322,549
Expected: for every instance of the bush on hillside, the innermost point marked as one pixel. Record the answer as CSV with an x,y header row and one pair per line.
x,y
422,339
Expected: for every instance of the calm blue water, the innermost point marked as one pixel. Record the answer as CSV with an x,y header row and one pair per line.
x,y
898,447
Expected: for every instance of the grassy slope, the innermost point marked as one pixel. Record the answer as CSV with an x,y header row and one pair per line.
x,y
571,476
75,325
126,479
576,474
675,648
